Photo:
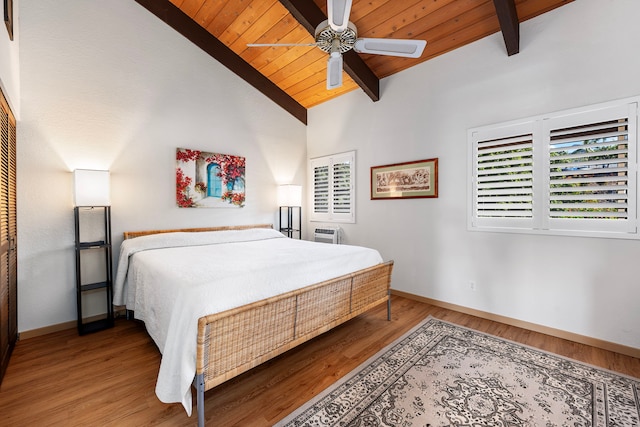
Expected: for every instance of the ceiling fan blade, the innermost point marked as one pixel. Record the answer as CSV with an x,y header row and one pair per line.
x,y
334,71
280,44
339,11
393,47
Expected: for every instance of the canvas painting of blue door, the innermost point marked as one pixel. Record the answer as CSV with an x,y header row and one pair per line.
x,y
209,180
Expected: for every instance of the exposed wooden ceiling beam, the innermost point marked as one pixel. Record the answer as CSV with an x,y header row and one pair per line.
x,y
509,24
186,26
310,15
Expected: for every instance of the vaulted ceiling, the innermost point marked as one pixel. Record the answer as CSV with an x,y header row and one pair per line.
x,y
295,76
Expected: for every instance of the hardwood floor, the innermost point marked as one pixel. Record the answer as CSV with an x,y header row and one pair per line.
x,y
108,378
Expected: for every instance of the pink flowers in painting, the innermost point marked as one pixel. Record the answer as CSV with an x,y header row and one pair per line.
x,y
235,198
182,190
219,179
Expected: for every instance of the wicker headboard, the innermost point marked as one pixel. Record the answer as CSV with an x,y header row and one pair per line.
x,y
132,234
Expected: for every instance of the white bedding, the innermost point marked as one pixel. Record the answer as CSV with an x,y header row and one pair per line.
x,y
170,280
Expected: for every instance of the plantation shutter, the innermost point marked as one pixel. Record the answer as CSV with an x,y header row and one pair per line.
x,y
321,189
342,187
591,161
573,172
332,179
503,176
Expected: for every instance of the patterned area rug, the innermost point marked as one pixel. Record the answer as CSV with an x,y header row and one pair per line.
x,y
441,374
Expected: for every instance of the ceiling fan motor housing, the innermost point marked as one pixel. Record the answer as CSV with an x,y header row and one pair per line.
x,y
327,38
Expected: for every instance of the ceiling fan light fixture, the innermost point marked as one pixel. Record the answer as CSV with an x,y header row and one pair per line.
x,y
339,11
337,35
326,37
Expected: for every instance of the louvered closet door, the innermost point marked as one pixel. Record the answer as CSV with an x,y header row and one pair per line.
x,y
13,237
8,233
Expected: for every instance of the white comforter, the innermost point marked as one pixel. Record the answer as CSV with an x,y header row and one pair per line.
x,y
172,279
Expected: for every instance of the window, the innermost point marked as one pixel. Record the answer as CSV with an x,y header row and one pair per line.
x,y
569,173
333,181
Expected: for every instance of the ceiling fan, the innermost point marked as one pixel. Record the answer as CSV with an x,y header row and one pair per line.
x,y
338,35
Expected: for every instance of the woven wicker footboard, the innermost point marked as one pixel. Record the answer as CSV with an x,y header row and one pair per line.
x,y
234,341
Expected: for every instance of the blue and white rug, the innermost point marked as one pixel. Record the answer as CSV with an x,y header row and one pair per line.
x,y
441,374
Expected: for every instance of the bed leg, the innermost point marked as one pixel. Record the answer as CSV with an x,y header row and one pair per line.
x,y
200,399
389,307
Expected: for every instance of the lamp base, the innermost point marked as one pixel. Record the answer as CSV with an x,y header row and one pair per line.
x,y
287,216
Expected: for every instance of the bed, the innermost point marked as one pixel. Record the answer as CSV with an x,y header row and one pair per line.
x,y
219,301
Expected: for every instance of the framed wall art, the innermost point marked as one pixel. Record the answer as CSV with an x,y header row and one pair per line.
x,y
409,180
209,180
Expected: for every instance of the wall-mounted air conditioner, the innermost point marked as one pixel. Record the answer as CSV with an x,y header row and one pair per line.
x,y
328,235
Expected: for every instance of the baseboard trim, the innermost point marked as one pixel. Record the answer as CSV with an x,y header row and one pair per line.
x,y
594,342
582,339
25,335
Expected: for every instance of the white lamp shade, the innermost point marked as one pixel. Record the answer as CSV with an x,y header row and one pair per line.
x,y
91,188
290,195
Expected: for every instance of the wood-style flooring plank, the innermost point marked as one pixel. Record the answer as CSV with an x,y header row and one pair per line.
x,y
108,378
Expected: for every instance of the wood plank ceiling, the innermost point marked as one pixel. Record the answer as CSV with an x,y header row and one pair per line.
x,y
295,76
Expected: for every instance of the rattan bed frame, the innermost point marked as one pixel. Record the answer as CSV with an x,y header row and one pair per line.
x,y
234,341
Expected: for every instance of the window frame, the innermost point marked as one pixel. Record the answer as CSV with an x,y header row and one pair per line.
x,y
333,212
622,223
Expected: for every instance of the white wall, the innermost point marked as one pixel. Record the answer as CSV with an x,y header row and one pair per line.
x,y
9,65
107,85
582,53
